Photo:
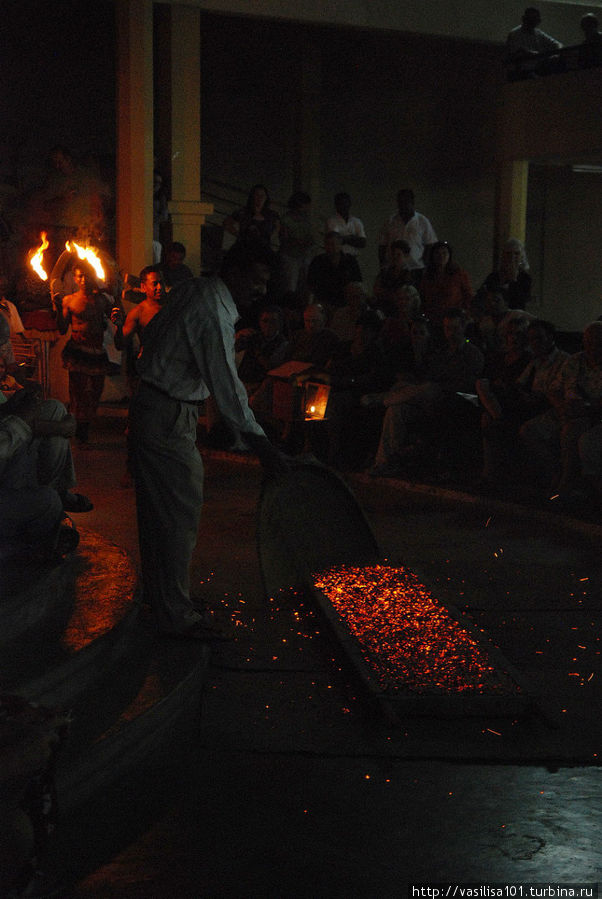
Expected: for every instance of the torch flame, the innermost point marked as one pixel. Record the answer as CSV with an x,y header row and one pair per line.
x,y
90,256
37,258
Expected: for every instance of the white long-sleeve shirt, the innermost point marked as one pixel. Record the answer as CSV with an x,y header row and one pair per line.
x,y
188,351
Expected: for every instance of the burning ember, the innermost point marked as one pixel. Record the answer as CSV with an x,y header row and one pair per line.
x,y
37,258
407,638
89,255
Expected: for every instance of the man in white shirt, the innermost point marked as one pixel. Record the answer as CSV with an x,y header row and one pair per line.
x,y
348,226
411,226
188,355
528,48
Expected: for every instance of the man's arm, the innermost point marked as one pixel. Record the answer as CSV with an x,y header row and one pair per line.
x,y
63,314
125,329
212,339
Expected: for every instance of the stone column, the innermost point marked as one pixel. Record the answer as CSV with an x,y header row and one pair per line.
x,y
134,134
179,49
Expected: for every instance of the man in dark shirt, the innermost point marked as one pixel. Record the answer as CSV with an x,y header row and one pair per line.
x,y
331,271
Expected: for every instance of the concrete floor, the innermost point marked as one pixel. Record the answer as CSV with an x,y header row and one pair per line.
x,y
300,789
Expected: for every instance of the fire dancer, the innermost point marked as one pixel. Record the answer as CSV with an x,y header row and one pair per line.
x,y
84,355
188,354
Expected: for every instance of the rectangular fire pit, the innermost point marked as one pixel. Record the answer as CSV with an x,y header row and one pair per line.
x,y
415,654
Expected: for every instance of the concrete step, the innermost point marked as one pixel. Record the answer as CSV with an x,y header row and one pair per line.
x,y
74,638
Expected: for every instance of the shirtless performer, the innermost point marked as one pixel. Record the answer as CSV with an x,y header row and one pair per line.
x,y
84,355
151,282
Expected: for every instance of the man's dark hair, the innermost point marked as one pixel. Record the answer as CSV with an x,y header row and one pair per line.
x,y
148,269
342,198
531,15
589,19
84,266
177,247
272,309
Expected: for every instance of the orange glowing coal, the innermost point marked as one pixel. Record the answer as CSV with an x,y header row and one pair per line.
x,y
406,636
37,258
89,255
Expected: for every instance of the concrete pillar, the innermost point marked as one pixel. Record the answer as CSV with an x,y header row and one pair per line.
x,y
181,45
134,134
511,206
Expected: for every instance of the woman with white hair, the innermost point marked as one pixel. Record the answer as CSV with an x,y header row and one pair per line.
x,y
512,278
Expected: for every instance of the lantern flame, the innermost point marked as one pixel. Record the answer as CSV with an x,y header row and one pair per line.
x,y
316,401
37,258
89,255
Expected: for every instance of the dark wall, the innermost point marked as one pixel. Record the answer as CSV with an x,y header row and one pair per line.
x,y
58,75
393,110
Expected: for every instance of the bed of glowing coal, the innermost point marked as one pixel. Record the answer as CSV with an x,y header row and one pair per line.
x,y
409,642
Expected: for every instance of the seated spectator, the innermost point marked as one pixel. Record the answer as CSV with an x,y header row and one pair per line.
x,y
345,319
173,267
430,405
10,311
7,357
411,367
590,51
580,383
499,398
256,222
263,349
348,226
355,367
495,319
512,278
444,285
315,343
528,49
538,403
37,473
331,271
395,332
396,274
8,384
